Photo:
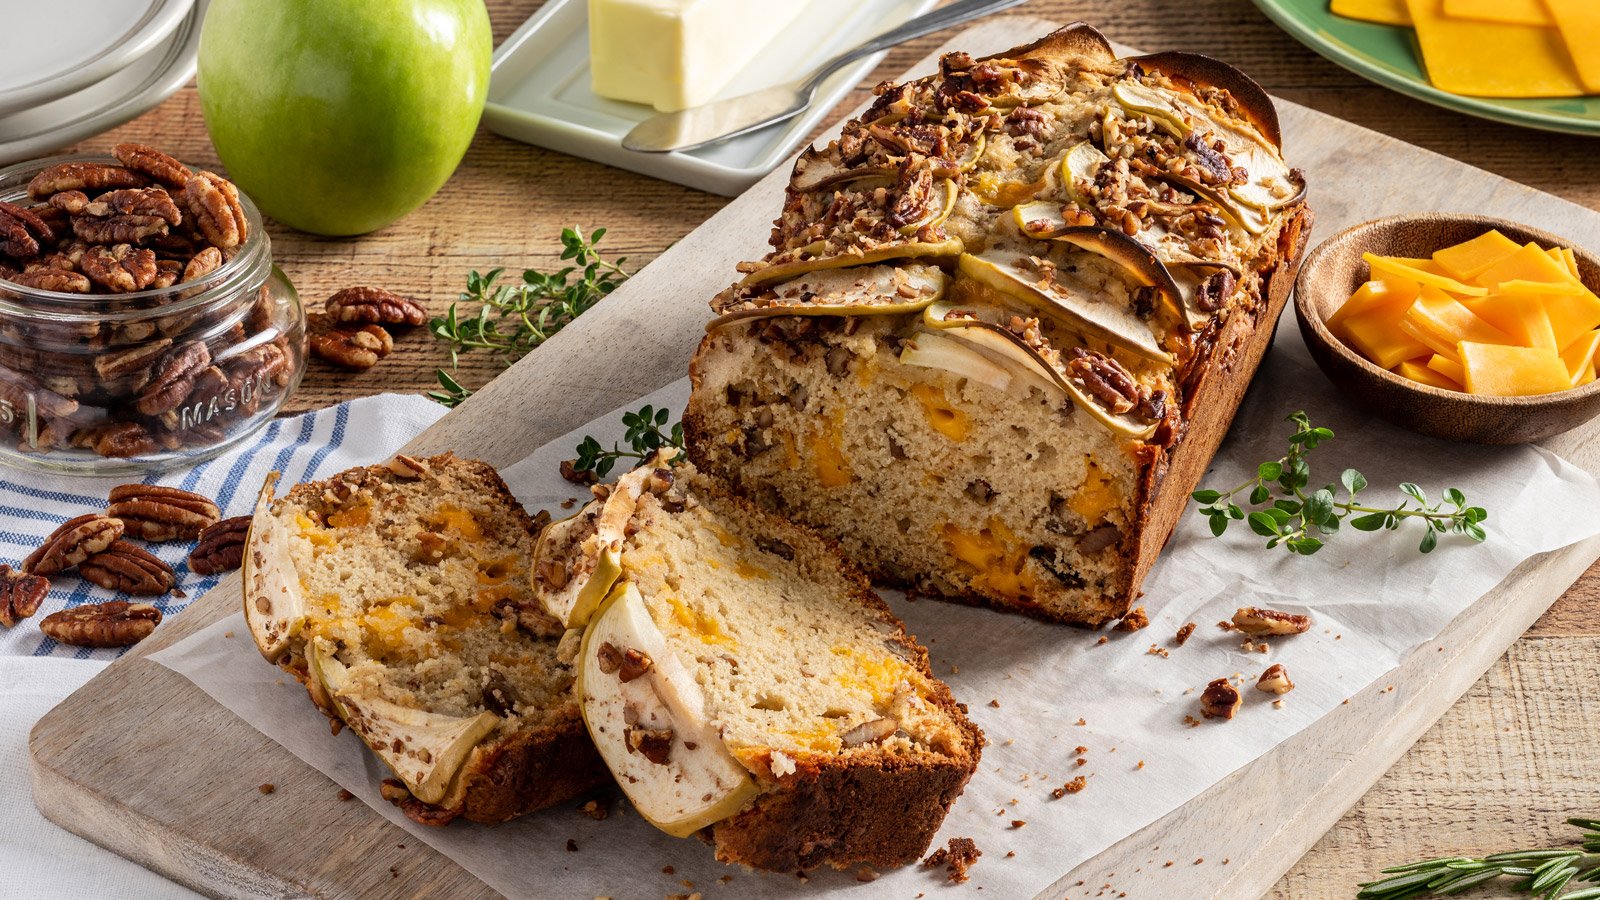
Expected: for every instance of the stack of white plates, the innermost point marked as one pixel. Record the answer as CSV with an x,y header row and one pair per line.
x,y
74,68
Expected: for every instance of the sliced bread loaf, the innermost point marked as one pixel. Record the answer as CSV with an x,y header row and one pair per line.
x,y
742,681
399,596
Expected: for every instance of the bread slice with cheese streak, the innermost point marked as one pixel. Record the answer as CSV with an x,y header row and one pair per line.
x,y
742,681
399,596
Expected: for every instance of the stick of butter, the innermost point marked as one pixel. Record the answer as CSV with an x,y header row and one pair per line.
x,y
674,54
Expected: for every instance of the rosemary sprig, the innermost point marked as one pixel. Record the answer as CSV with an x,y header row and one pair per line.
x,y
644,435
511,320
1293,514
1542,873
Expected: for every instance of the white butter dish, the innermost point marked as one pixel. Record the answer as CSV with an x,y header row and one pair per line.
x,y
539,92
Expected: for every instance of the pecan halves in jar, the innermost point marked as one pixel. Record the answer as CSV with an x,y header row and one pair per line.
x,y
81,176
352,347
130,569
118,229
45,278
217,211
174,378
221,547
24,392
122,269
73,541
20,595
118,440
202,264
375,306
1105,378
118,623
23,234
152,162
157,513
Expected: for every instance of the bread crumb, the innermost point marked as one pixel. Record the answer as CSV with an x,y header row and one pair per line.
x,y
694,896
955,670
229,634
1168,864
1018,823
866,873
267,788
1158,650
1191,721
1082,722
1080,749
687,883
572,846
595,809
1103,639
668,870
1225,625
1134,621
1200,860
724,879
1277,704
1082,762
1071,787
1010,853
957,858
345,795
995,703
1139,766
569,503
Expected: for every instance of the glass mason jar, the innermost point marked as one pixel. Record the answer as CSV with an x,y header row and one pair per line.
x,y
151,380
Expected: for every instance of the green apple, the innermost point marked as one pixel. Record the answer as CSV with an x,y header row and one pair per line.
x,y
338,117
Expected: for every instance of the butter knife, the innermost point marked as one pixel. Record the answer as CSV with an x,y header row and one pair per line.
x,y
688,129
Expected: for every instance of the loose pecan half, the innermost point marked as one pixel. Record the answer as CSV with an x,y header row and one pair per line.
x,y
23,235
73,541
1254,620
375,306
1275,680
353,347
217,212
221,547
121,269
1220,700
81,176
152,162
117,623
20,595
130,569
157,513
174,378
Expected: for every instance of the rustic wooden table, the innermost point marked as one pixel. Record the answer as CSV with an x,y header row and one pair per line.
x,y
1502,767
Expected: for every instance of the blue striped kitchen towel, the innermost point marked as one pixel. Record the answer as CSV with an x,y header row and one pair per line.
x,y
303,448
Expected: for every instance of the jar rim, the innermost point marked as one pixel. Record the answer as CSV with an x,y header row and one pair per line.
x,y
249,264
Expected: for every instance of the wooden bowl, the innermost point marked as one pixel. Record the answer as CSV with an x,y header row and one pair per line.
x,y
1333,271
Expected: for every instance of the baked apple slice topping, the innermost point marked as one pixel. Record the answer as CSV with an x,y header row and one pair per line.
x,y
1095,382
768,274
423,749
577,559
1091,300
647,716
874,290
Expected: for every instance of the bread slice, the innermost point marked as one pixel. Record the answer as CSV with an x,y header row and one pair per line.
x,y
1006,321
744,683
399,596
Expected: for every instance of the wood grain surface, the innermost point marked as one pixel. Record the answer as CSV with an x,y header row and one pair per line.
x,y
1499,770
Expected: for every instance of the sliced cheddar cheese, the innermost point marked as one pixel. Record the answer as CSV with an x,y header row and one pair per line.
x,y
1579,24
1441,322
1449,368
1423,272
1376,334
1522,316
1465,260
1383,12
1390,291
1497,370
1520,12
1420,373
1492,59
1579,358
1529,263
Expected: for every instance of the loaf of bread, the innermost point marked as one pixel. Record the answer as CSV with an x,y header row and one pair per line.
x,y
743,683
1007,318
399,595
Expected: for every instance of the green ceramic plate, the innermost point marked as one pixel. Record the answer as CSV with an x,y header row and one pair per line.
x,y
1384,54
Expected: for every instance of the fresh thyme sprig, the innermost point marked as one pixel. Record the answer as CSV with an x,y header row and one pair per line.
x,y
1543,873
644,435
513,319
1294,514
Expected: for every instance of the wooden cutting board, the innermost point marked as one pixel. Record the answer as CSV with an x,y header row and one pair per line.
x,y
143,763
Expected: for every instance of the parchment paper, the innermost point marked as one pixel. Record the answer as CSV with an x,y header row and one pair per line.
x,y
1374,598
